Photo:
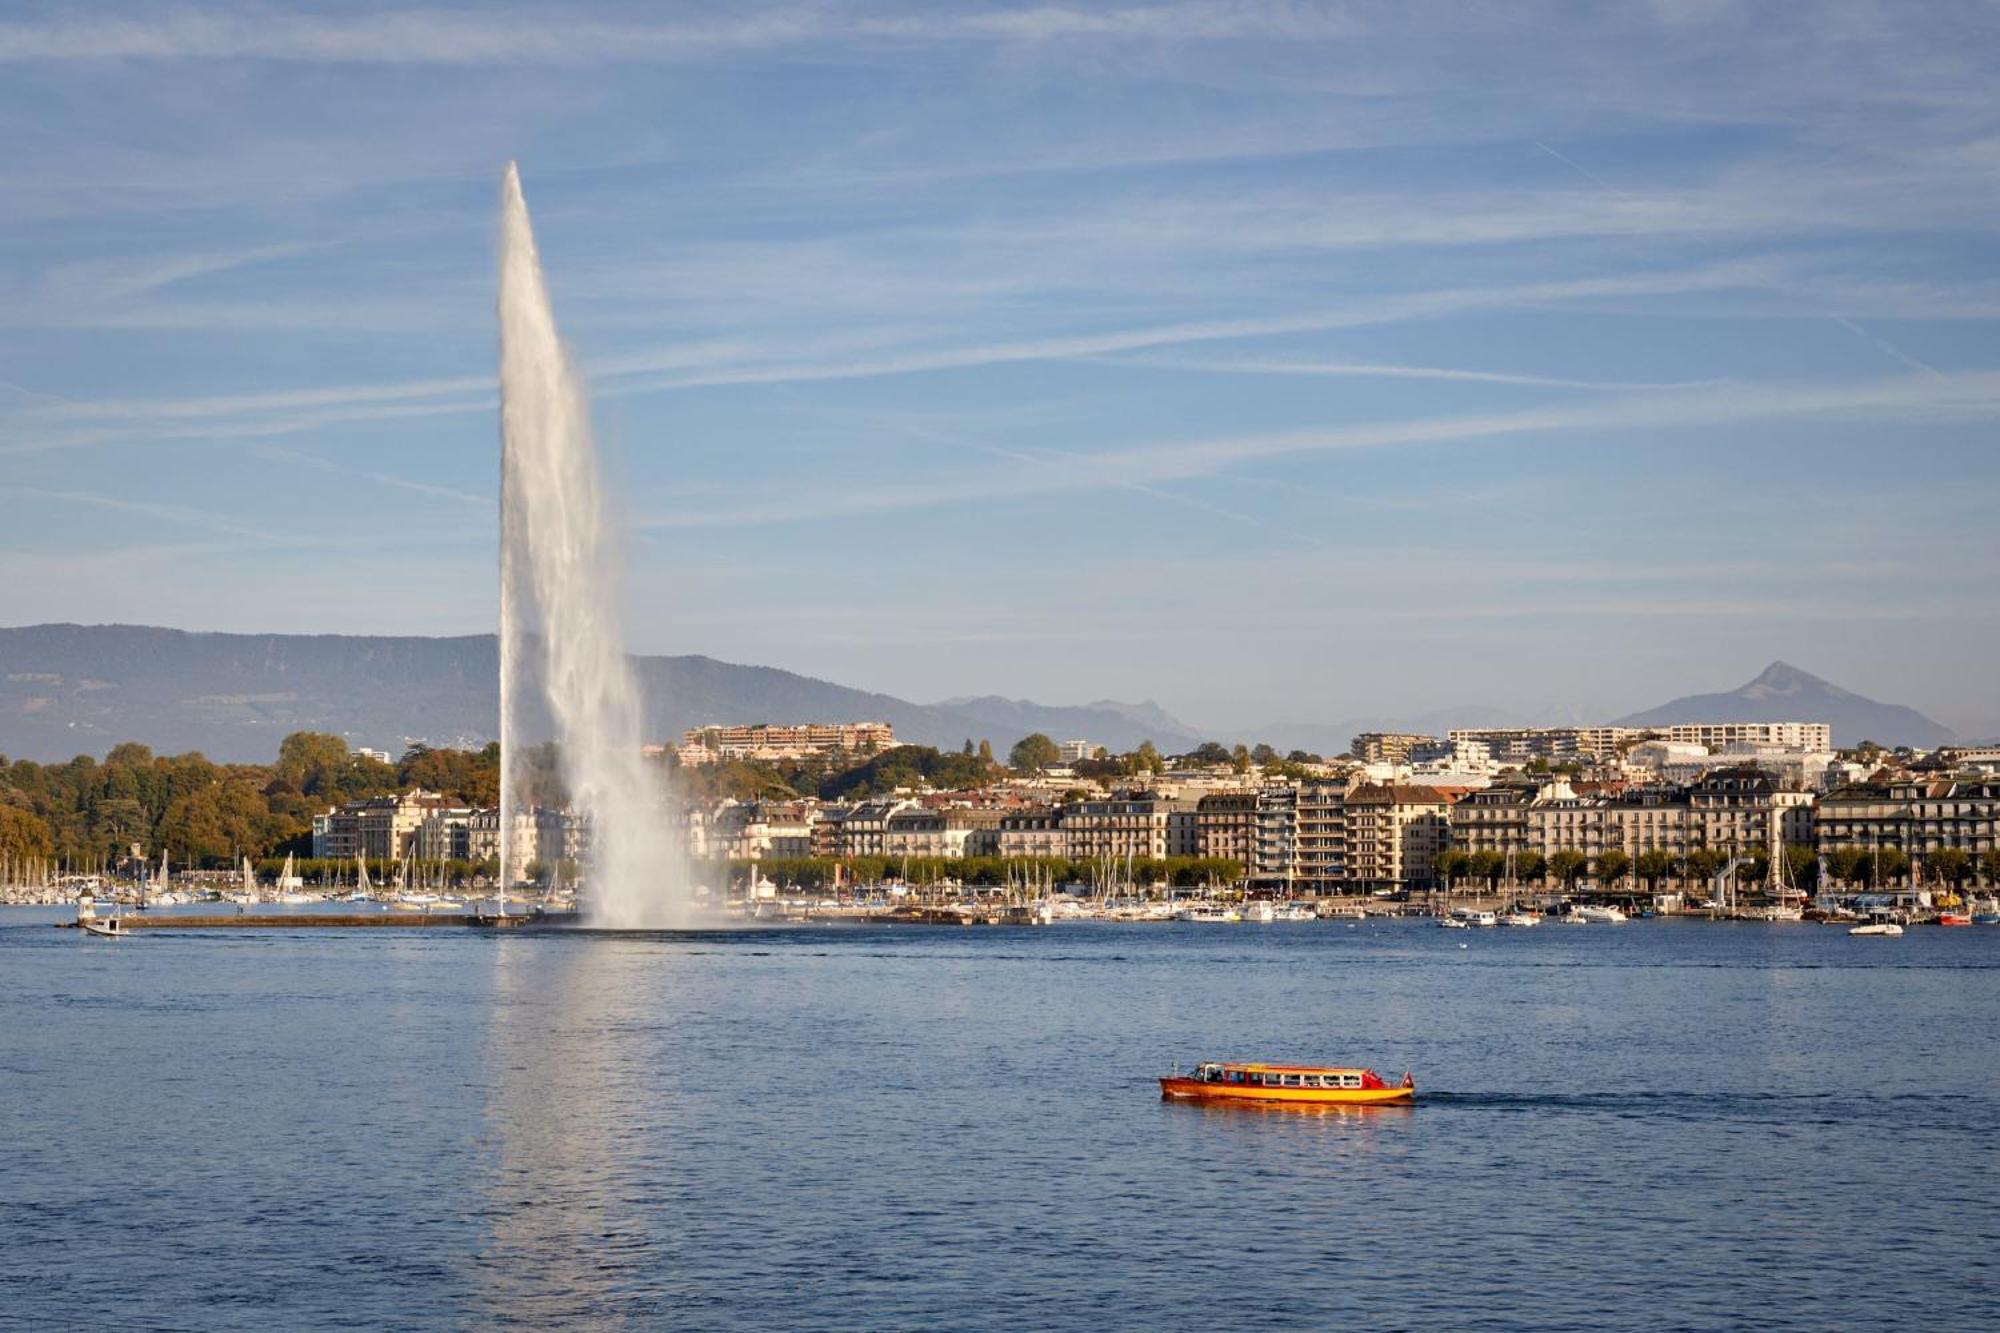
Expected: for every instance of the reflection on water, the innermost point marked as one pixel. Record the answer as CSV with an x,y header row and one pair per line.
x,y
562,1090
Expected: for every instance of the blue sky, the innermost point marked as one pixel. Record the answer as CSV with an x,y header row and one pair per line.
x,y
1270,360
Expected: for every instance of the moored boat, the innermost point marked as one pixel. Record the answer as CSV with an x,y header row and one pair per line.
x,y
1308,1085
1954,919
1876,928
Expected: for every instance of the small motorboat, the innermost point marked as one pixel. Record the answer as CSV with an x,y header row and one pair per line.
x,y
1519,919
1305,1085
1954,918
90,923
1876,928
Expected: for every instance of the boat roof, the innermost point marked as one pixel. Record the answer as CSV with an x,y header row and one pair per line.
x,y
1252,1067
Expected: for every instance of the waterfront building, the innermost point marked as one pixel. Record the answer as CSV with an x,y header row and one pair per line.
x,y
1032,831
445,835
483,839
1133,826
1918,817
1320,857
1273,860
1226,826
381,828
1394,833
864,829
1184,826
1494,819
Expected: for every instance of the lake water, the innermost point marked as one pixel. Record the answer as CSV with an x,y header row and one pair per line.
x,y
1652,1126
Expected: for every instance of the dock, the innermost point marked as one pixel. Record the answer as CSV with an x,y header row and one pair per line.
x,y
137,921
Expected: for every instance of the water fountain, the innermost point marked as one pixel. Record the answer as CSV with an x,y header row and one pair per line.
x,y
559,619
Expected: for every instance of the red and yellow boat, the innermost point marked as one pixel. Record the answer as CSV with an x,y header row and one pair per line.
x,y
1309,1085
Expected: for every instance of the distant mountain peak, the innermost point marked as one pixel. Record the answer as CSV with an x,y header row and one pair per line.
x,y
1782,692
1782,680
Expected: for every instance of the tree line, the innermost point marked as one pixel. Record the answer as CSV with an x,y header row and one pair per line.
x,y
87,814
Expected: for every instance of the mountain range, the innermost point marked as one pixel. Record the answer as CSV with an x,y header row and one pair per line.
x,y
80,689
1783,693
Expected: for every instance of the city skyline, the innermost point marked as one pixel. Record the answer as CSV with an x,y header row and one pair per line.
x,y
1392,357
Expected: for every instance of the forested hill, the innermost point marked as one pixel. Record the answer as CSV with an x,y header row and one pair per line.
x,y
80,689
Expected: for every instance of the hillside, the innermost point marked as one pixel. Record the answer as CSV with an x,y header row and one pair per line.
x,y
1783,693
80,689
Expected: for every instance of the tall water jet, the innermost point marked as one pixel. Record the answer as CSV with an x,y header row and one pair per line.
x,y
559,615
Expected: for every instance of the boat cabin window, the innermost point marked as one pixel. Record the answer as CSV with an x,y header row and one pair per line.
x,y
1350,1080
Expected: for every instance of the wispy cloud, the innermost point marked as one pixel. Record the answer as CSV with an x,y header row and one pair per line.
x,y
494,35
1960,397
182,515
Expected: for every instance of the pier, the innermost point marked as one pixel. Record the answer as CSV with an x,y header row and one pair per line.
x,y
138,921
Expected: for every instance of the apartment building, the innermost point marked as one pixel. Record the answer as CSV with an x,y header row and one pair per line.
x,y
1919,817
1782,735
381,828
768,743
1394,834
1034,831
1273,860
1320,855
1115,829
1226,827
1387,747
1494,819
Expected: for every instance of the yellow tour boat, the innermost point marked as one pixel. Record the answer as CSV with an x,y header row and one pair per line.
x,y
1311,1085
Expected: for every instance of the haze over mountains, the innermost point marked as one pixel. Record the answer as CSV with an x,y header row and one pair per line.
x,y
72,689
1782,692
77,689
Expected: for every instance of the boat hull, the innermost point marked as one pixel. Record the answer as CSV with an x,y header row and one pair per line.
x,y
1193,1090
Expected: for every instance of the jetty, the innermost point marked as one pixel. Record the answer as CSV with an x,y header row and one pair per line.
x,y
134,922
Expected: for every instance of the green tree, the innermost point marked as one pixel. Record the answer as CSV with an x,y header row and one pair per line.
x,y
1951,864
1989,865
312,761
1568,866
1704,863
1034,753
1612,867
1148,757
1487,866
23,834
1892,865
1654,865
1239,759
1530,866
1452,863
986,753
1801,867
1262,754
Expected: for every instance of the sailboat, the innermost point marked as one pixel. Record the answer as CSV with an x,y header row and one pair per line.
x,y
290,888
246,896
362,889
1786,903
